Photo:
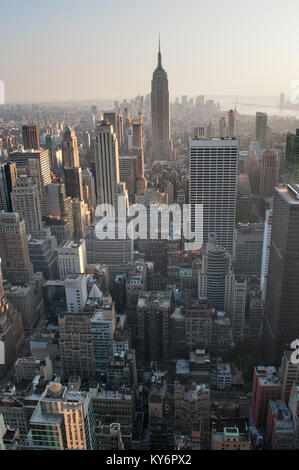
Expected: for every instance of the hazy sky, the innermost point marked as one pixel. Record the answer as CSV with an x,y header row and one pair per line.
x,y
79,49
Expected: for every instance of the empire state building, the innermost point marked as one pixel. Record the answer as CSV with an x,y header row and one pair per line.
x,y
161,144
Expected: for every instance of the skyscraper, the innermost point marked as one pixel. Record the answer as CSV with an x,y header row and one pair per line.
x,y
213,167
11,329
266,253
261,128
30,137
292,156
107,166
108,185
36,165
161,144
73,182
8,176
70,152
14,248
25,201
281,321
231,123
269,173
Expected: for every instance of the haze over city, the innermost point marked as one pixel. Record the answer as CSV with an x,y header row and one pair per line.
x,y
74,50
149,227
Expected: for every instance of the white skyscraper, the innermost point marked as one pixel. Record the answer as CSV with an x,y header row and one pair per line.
x,y
71,258
213,166
266,252
76,292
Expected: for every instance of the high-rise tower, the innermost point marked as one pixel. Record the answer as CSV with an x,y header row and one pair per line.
x,y
161,144
281,321
30,137
70,152
14,251
213,169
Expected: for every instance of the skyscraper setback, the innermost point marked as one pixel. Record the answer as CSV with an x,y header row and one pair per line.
x,y
161,143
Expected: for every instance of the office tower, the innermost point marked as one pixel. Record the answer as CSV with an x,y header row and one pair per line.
x,y
218,283
115,254
111,117
138,151
89,195
86,140
153,313
75,345
289,374
261,128
292,156
248,248
70,152
213,282
25,201
76,292
73,182
36,165
107,165
282,100
103,324
8,176
223,132
62,419
281,321
269,173
137,125
136,282
211,131
14,251
213,182
81,218
28,300
60,229
59,205
266,386
30,137
254,309
42,253
128,172
161,143
237,306
266,253
11,329
71,258
198,314
231,123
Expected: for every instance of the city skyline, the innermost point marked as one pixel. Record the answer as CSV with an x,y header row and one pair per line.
x,y
76,61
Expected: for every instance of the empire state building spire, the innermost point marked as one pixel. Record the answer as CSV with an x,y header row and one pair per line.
x,y
159,56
